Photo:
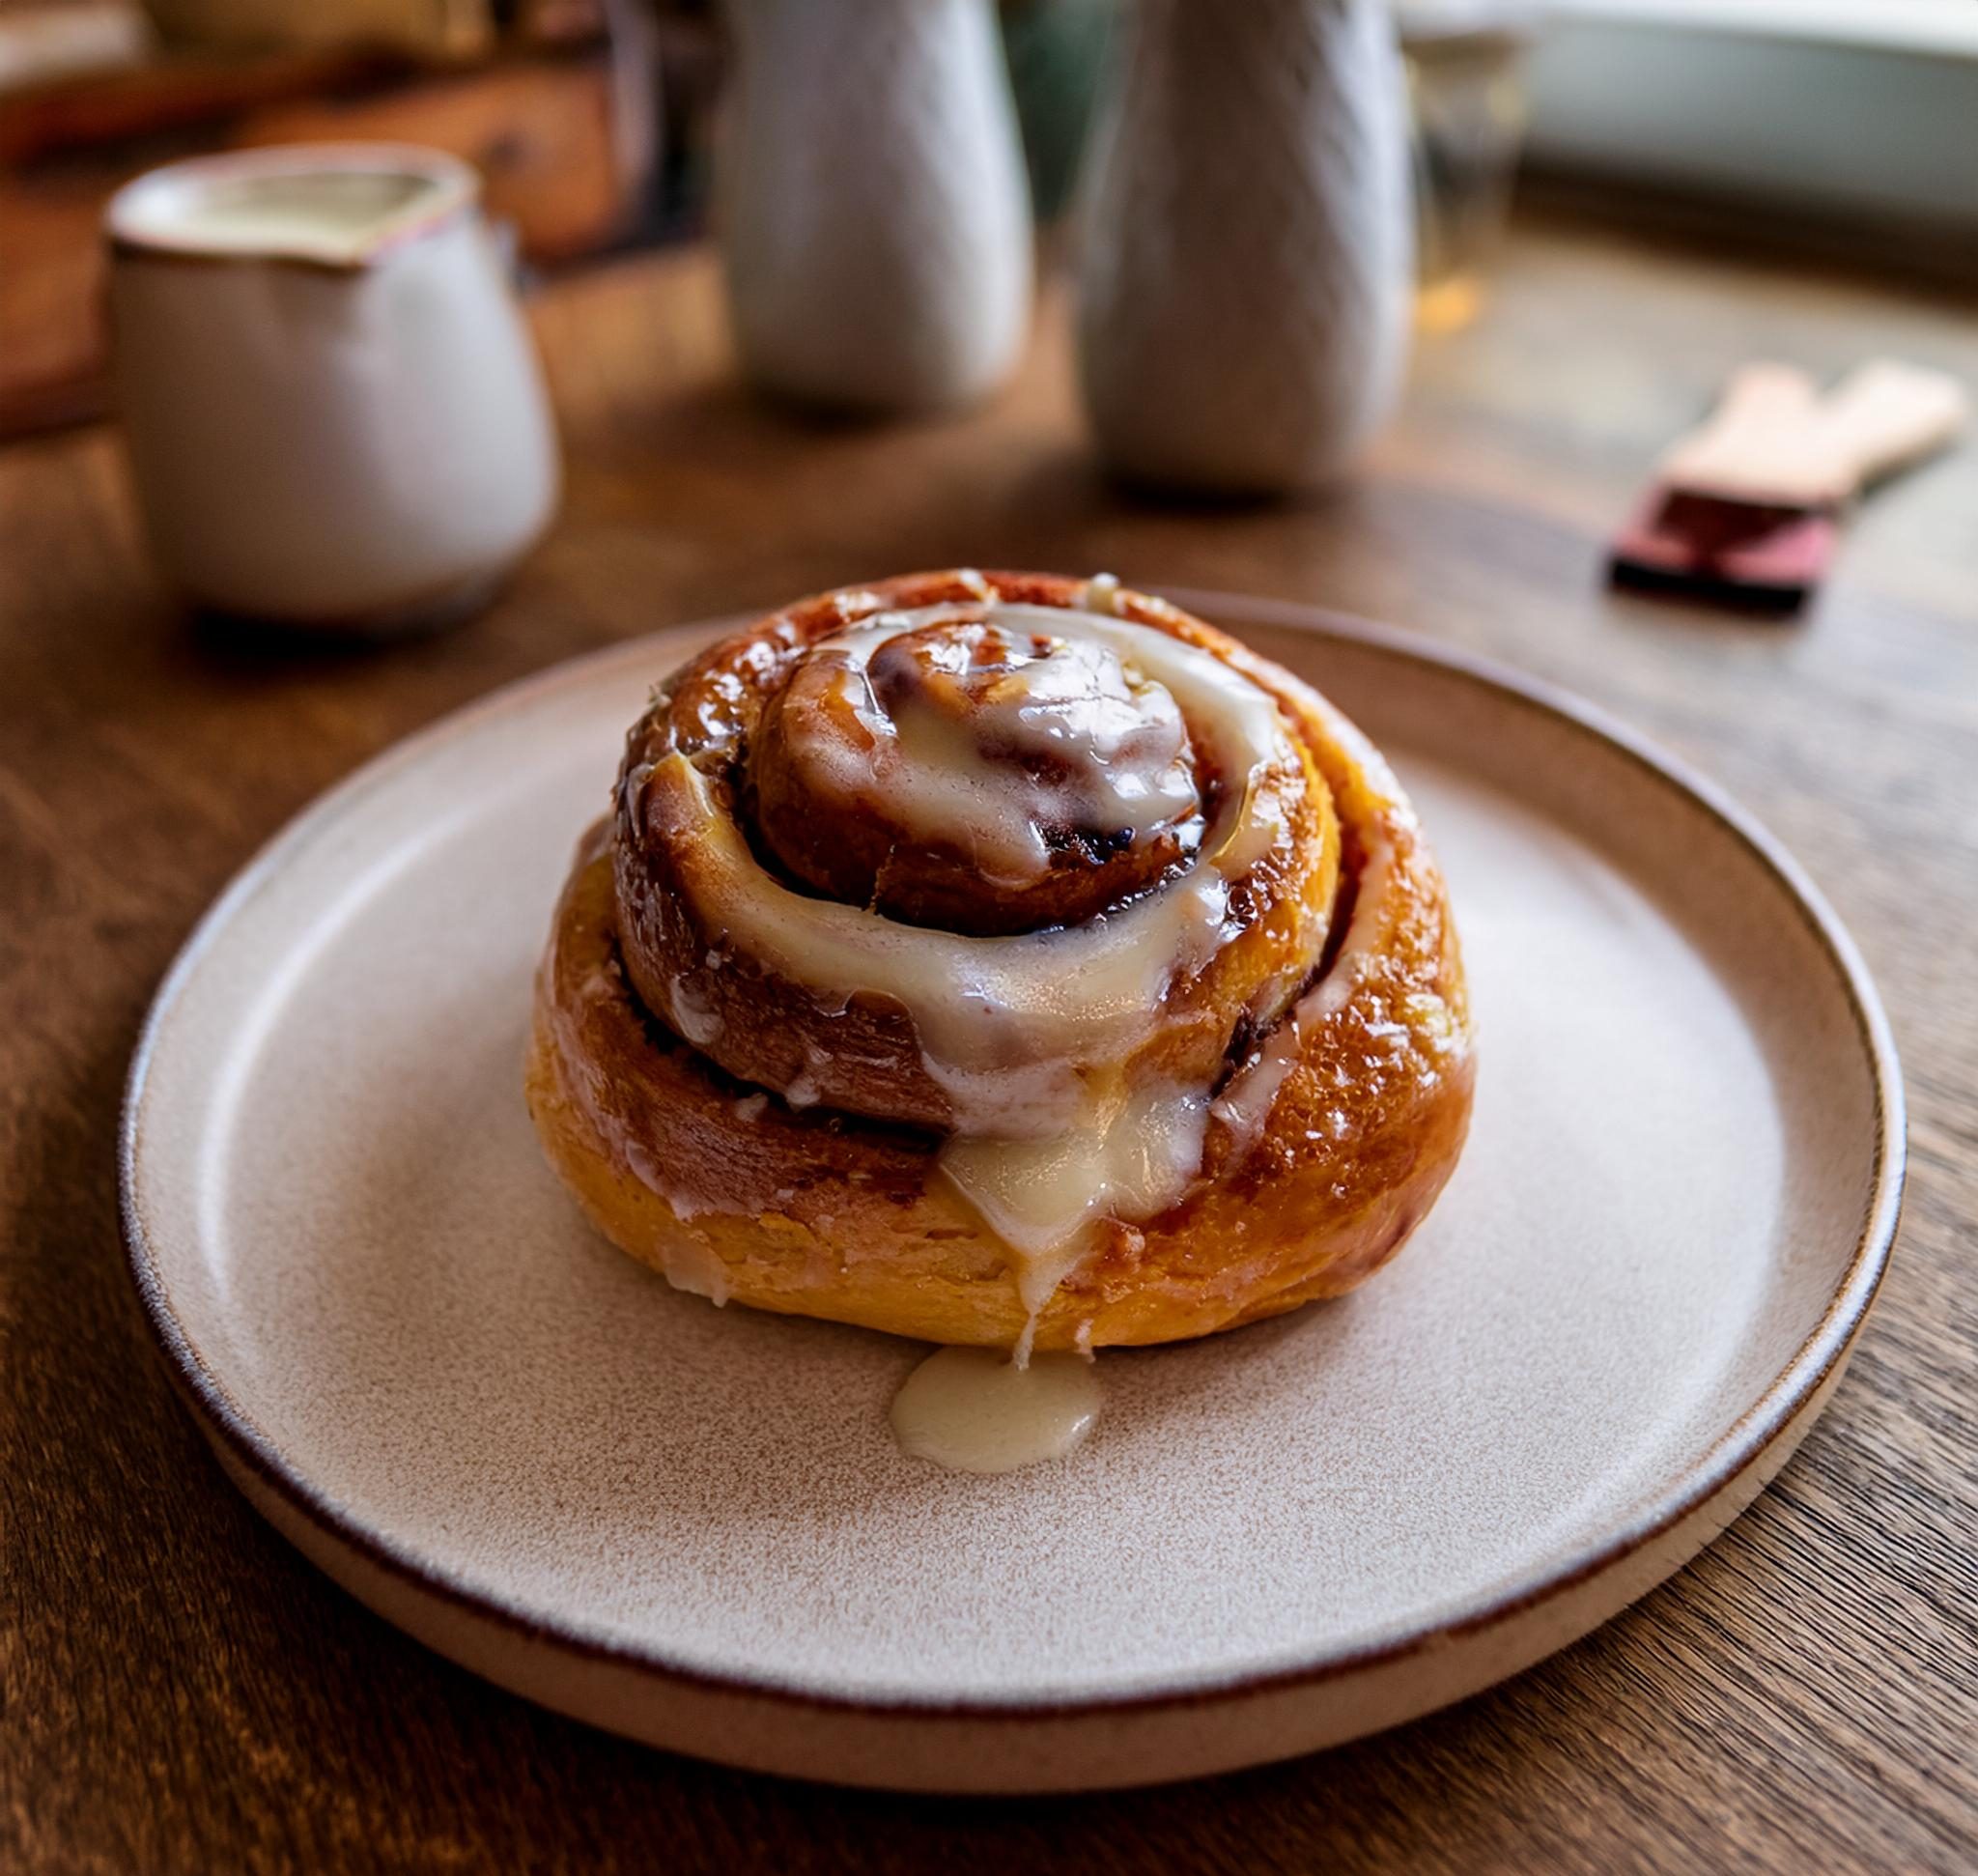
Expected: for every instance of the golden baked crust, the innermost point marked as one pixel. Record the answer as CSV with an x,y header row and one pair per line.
x,y
1329,1148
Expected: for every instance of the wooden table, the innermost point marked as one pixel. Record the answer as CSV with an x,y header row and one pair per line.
x,y
181,1692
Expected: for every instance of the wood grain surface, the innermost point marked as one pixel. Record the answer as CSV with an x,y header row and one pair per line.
x,y
561,142
184,1693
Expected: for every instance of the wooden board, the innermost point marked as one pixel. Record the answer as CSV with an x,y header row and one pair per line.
x,y
183,1694
561,142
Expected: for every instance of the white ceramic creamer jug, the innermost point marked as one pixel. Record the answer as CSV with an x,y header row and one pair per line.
x,y
334,412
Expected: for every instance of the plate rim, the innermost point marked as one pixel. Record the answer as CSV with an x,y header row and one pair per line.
x,y
1743,1443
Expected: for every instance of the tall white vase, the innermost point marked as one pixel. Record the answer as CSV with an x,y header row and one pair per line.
x,y
1248,261
872,202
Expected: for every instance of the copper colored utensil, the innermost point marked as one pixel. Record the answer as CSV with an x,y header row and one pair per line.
x,y
1744,509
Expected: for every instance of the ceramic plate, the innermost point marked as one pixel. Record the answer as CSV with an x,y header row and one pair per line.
x,y
694,1525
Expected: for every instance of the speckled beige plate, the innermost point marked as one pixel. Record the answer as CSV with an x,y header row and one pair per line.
x,y
693,1527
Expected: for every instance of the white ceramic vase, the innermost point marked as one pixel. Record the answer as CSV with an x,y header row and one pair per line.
x,y
1247,257
873,203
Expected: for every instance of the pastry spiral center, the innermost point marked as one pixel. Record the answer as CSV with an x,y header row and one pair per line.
x,y
974,776
1017,871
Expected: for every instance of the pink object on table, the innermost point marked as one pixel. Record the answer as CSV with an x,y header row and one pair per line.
x,y
1744,509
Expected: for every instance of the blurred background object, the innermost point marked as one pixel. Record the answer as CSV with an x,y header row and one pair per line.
x,y
44,45
1466,62
1056,51
456,28
874,215
554,104
1243,286
1787,125
1745,509
336,416
1832,128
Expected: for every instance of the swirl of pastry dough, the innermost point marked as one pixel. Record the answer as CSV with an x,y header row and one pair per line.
x,y
985,775
1029,880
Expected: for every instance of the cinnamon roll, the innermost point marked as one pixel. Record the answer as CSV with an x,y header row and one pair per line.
x,y
1004,959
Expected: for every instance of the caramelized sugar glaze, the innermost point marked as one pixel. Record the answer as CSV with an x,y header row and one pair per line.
x,y
1004,959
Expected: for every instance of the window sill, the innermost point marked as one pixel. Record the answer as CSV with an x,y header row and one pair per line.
x,y
1824,107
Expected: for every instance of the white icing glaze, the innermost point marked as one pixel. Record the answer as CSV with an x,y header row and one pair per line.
x,y
698,1270
690,1014
1363,938
1026,1034
1013,1026
972,1410
1130,1160
1245,1104
1061,735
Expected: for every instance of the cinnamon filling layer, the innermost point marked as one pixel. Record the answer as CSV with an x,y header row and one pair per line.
x,y
1019,873
969,777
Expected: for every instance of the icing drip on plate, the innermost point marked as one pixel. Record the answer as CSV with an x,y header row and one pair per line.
x,y
976,1410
